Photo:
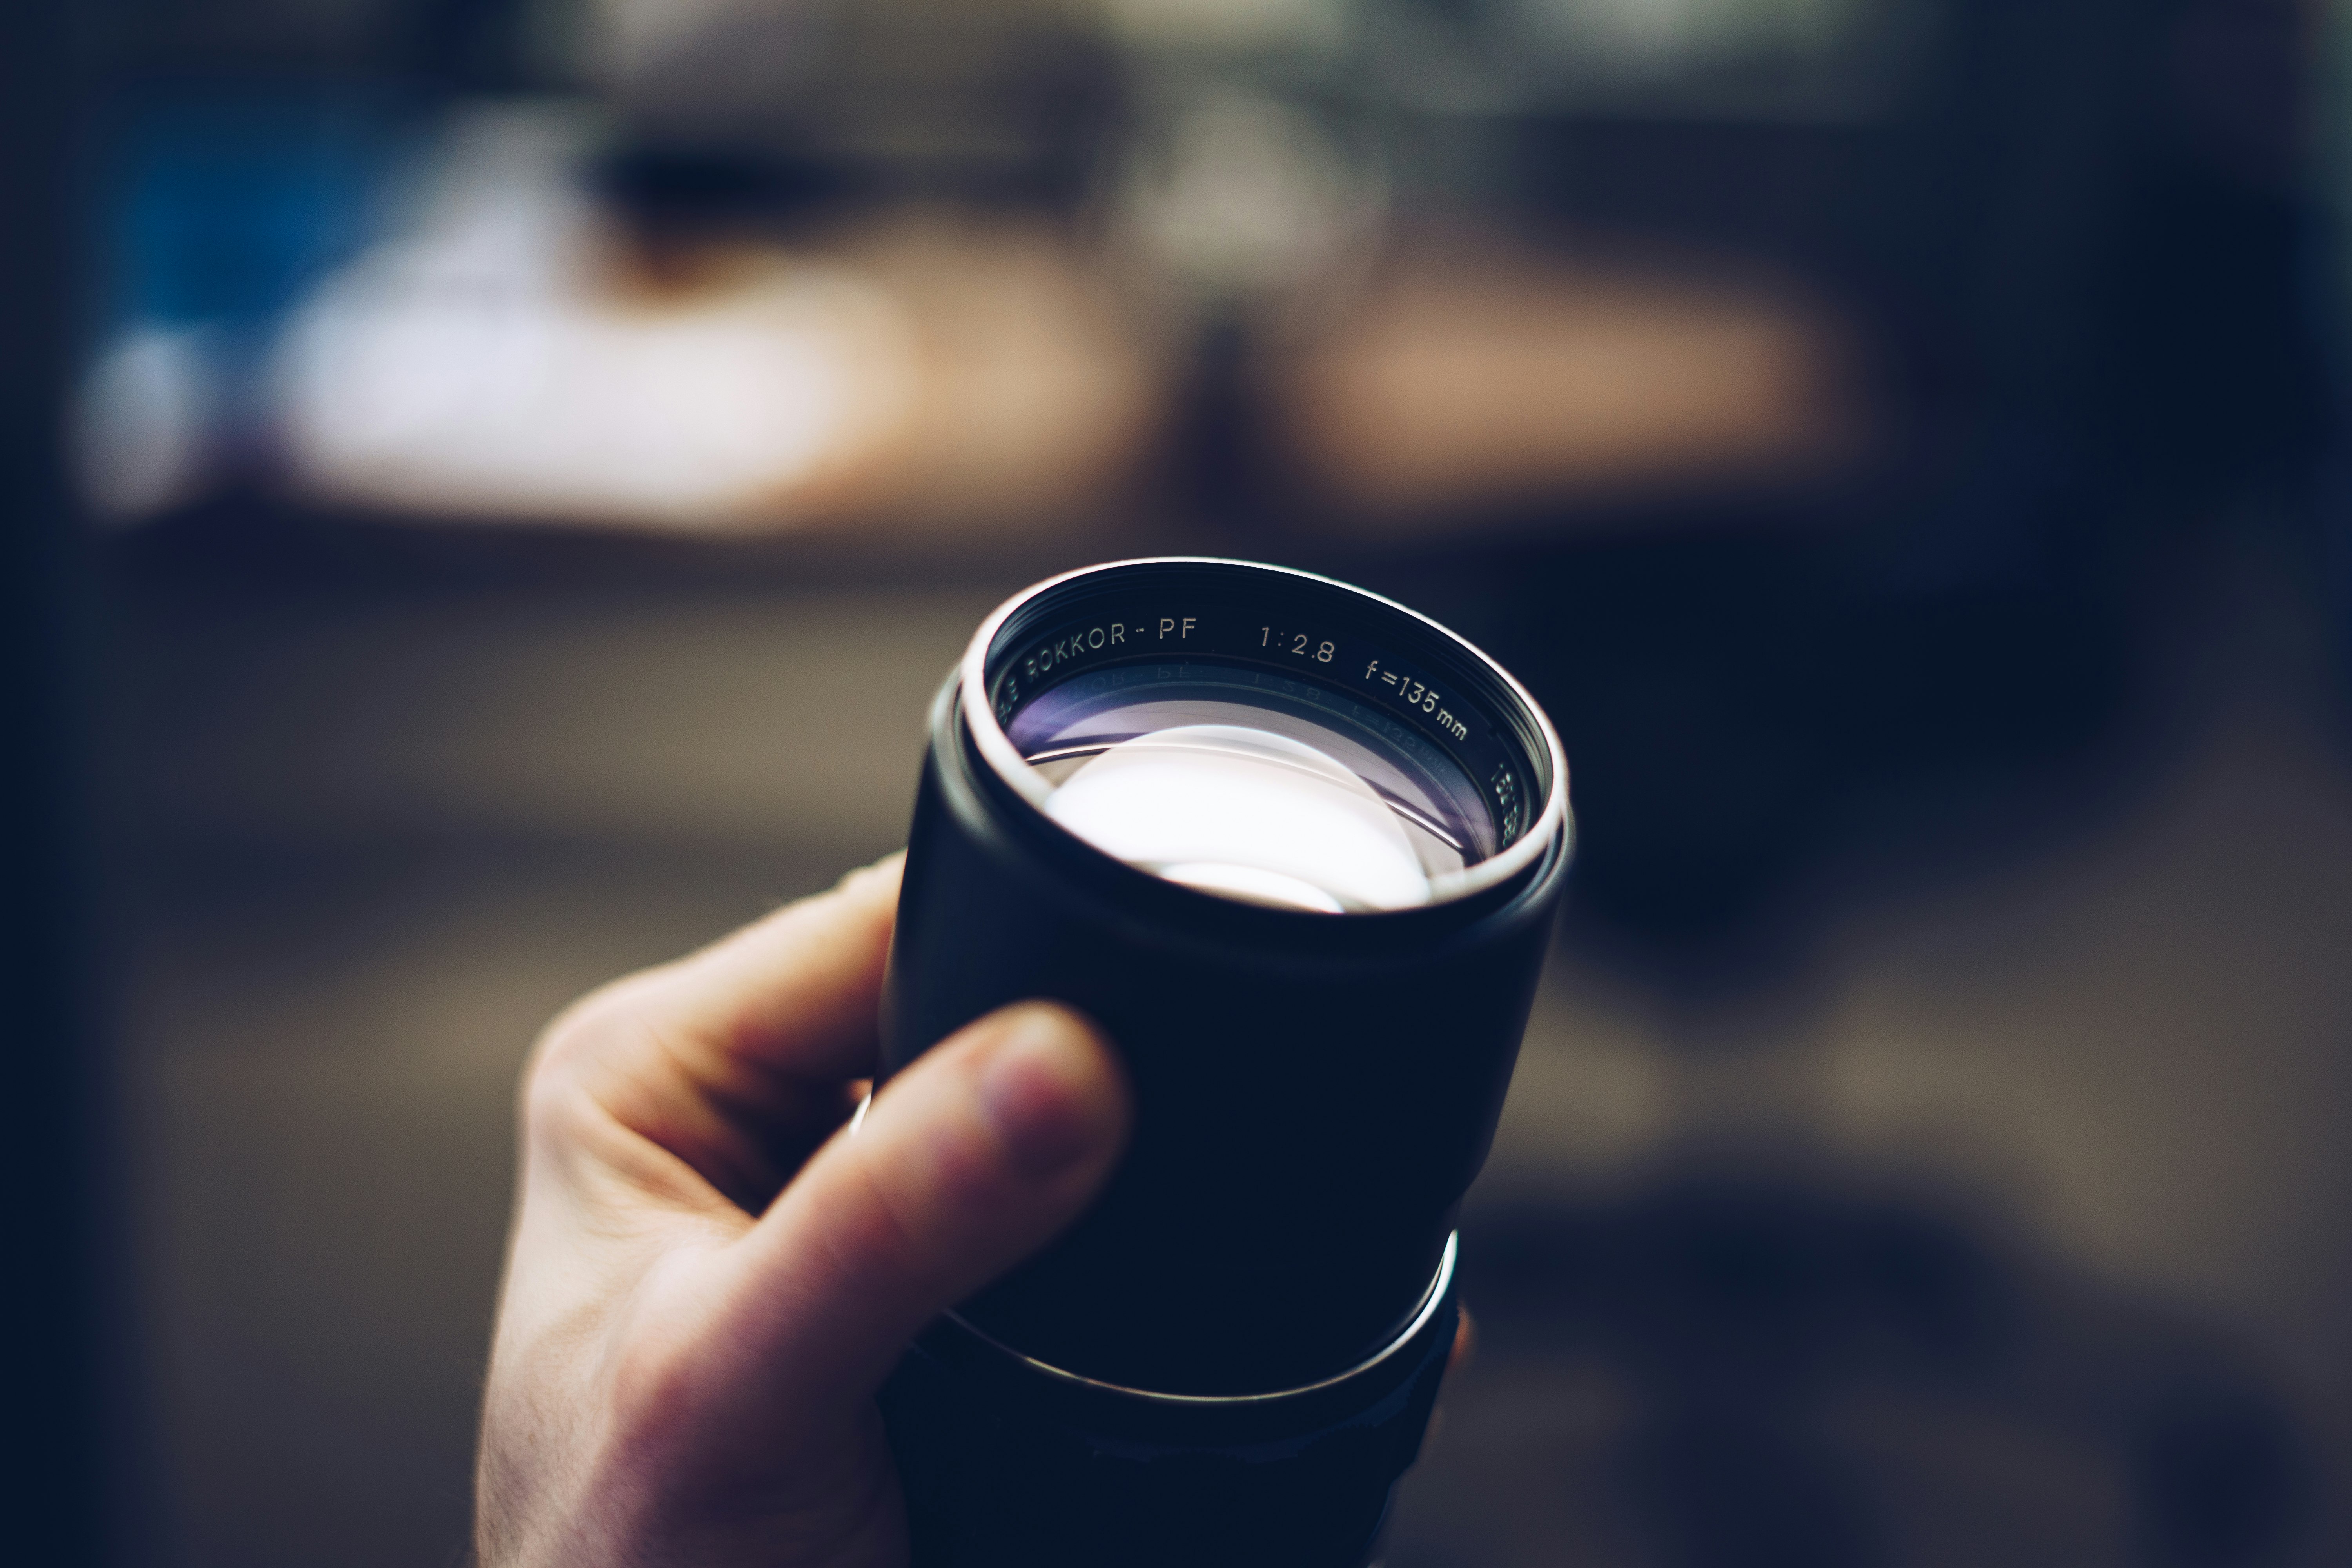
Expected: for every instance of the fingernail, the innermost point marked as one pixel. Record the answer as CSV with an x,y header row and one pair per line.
x,y
1040,1092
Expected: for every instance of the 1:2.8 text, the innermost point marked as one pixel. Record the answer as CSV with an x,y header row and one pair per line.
x,y
1299,644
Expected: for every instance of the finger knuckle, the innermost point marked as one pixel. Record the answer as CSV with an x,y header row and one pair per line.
x,y
552,1090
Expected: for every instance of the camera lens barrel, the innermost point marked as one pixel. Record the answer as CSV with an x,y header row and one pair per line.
x,y
1297,849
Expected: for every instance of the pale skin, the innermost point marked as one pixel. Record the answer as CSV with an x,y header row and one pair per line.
x,y
709,1277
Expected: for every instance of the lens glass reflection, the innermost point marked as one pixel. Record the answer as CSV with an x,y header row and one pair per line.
x,y
1296,797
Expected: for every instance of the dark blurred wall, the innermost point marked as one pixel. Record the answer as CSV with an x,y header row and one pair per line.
x,y
67,1317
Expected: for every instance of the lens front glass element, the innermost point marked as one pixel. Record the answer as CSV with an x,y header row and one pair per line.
x,y
1282,798
1263,735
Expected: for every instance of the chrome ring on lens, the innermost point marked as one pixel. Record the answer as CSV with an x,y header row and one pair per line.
x,y
1413,1327
1363,652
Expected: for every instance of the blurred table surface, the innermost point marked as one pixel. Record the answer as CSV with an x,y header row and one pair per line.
x,y
373,841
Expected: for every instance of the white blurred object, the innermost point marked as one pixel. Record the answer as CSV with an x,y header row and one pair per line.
x,y
1247,814
406,391
502,360
146,420
513,356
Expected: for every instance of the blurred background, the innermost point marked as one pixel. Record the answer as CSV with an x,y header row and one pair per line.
x,y
528,463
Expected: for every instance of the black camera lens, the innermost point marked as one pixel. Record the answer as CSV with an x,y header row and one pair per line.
x,y
1297,849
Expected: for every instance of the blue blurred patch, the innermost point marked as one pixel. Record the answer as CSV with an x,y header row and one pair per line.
x,y
224,210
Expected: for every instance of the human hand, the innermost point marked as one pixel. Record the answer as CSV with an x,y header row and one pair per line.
x,y
708,1279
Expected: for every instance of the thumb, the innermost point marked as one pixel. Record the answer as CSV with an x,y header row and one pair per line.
x,y
964,1165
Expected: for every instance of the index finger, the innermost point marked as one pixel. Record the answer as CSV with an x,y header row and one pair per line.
x,y
794,994
732,1061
